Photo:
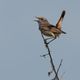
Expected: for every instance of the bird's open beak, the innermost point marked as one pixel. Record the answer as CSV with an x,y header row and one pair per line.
x,y
37,19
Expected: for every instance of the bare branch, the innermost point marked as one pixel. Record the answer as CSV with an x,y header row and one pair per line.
x,y
59,66
51,61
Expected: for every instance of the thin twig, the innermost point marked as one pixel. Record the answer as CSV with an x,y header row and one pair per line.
x,y
58,68
44,55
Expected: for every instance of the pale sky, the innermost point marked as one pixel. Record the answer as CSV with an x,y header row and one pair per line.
x,y
21,43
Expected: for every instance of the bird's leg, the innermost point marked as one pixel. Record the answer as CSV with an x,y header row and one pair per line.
x,y
45,41
51,40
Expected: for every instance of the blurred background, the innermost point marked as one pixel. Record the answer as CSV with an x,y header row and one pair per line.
x,y
21,43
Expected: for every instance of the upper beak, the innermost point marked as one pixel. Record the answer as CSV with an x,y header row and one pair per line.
x,y
37,19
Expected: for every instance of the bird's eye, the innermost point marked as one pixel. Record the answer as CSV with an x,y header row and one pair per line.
x,y
42,19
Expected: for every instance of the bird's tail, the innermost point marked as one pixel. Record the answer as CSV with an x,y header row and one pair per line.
x,y
59,23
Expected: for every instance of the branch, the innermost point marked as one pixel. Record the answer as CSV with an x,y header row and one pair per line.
x,y
51,61
58,69
59,66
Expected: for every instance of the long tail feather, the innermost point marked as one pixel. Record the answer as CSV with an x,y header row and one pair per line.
x,y
59,23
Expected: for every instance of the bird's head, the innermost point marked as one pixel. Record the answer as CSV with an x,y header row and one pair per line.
x,y
42,20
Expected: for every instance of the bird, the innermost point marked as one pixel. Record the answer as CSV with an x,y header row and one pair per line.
x,y
49,30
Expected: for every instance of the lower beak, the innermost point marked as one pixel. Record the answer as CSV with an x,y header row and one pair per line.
x,y
36,20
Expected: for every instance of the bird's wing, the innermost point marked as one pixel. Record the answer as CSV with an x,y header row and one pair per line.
x,y
53,29
44,28
59,23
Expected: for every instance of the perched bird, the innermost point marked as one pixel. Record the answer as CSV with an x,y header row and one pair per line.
x,y
49,30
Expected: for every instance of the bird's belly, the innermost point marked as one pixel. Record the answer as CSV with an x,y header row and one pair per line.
x,y
48,34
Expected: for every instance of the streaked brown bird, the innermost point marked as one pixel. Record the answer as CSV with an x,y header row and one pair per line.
x,y
49,30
